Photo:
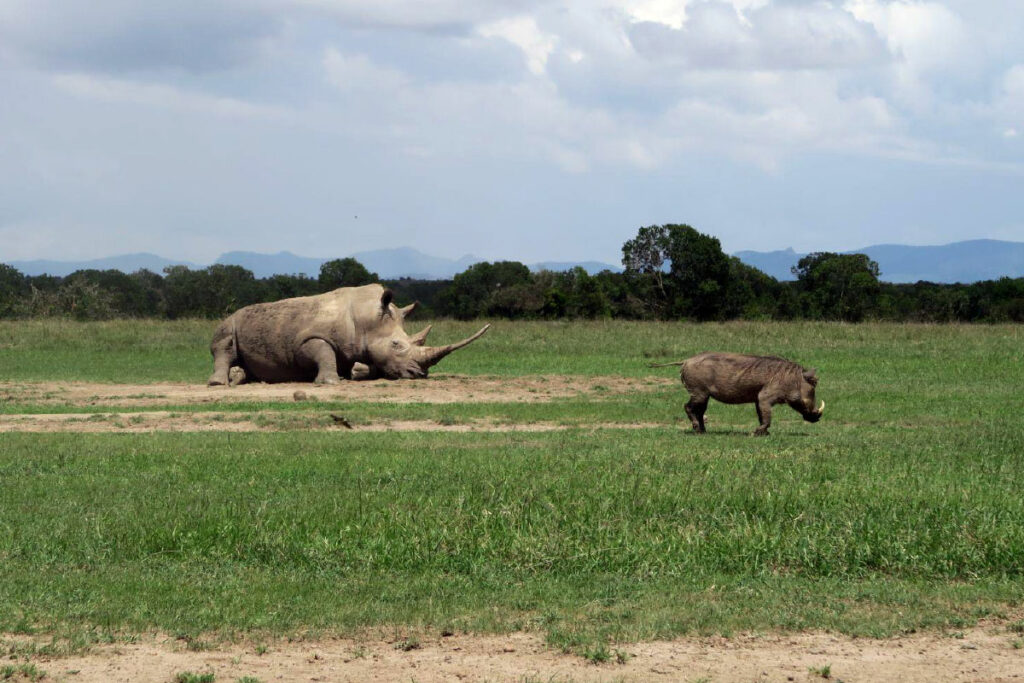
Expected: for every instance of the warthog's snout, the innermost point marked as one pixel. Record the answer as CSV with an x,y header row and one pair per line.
x,y
815,415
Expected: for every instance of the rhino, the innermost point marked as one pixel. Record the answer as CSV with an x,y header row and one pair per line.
x,y
350,332
736,378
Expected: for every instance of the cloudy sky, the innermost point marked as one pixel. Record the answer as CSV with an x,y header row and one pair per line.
x,y
520,129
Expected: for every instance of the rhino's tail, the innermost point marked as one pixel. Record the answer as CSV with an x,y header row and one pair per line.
x,y
665,365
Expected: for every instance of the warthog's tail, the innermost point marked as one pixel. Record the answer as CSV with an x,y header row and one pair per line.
x,y
665,365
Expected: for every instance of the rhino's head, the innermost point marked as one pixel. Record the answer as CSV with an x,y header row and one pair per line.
x,y
394,354
804,403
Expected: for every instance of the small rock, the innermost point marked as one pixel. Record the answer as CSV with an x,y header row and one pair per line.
x,y
300,395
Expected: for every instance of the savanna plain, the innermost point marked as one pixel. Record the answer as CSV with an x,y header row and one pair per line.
x,y
537,510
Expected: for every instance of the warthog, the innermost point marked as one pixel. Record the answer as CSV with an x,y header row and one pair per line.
x,y
736,378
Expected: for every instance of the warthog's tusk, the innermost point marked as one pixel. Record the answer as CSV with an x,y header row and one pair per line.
x,y
822,408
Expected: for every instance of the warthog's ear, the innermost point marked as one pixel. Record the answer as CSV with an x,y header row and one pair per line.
x,y
811,376
385,301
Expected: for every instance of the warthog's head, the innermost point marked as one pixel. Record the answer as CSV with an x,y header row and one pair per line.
x,y
394,354
804,402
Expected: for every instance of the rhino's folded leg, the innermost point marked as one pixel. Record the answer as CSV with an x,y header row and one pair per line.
x,y
361,371
224,354
321,354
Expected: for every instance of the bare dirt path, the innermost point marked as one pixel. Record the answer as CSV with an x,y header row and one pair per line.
x,y
440,389
979,654
114,398
208,421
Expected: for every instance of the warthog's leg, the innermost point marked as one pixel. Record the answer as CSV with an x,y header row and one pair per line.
x,y
695,408
321,354
764,415
224,355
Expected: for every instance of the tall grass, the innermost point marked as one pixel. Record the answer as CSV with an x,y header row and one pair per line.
x,y
134,351
900,509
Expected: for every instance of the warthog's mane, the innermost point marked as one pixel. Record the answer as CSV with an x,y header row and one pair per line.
x,y
770,366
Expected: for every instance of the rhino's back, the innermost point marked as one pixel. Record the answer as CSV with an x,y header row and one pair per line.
x,y
269,335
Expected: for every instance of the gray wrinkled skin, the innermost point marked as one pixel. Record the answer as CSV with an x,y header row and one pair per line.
x,y
351,332
734,378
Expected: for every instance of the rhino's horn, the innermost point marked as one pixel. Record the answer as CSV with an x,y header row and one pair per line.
x,y
420,338
433,354
406,310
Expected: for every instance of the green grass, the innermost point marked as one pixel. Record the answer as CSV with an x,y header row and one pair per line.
x,y
140,351
189,677
626,533
900,510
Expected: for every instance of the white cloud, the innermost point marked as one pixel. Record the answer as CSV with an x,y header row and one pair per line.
x,y
716,36
671,13
524,33
926,35
319,90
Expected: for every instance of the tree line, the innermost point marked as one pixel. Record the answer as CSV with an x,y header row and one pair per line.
x,y
671,272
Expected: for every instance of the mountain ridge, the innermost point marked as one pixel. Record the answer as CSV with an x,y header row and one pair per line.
x,y
964,261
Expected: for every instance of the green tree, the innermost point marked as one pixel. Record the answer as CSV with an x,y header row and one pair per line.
x,y
680,271
277,287
345,272
483,289
750,293
14,290
837,286
212,292
585,298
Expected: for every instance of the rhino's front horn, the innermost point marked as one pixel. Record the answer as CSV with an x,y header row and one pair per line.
x,y
433,354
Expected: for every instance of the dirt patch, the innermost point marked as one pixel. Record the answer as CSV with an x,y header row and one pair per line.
x,y
206,421
440,389
980,654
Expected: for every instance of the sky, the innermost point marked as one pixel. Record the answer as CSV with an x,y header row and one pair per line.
x,y
529,130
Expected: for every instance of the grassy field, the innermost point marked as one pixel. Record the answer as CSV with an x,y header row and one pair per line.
x,y
901,509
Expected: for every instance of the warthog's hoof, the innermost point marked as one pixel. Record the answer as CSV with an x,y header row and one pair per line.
x,y
760,432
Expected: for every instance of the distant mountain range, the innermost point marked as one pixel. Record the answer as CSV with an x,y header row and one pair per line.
x,y
968,261
389,264
126,263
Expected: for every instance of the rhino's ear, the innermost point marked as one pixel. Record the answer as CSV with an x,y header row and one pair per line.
x,y
811,376
385,300
408,309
